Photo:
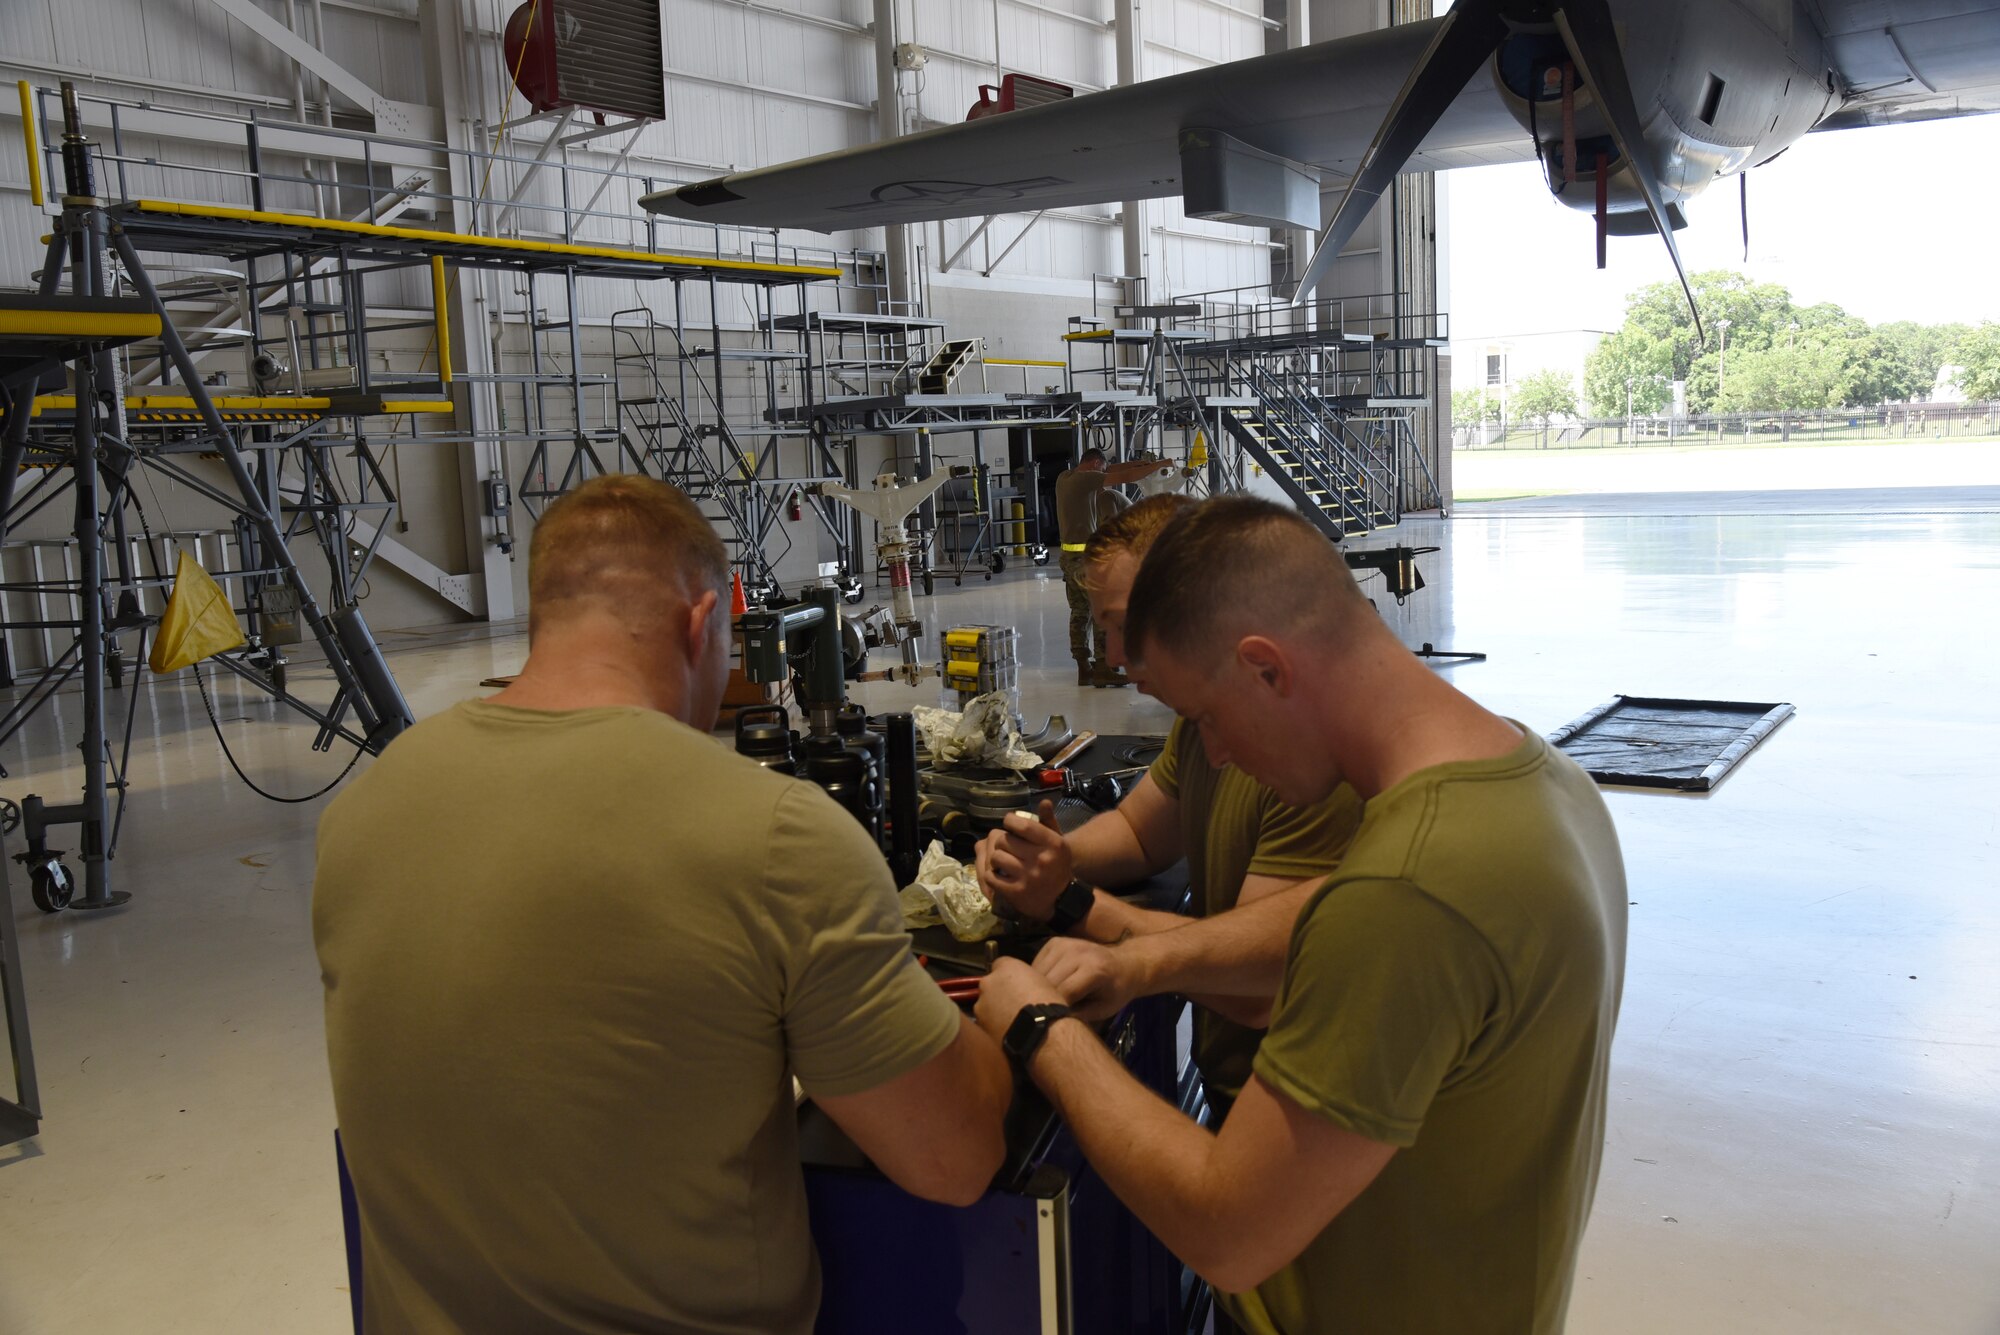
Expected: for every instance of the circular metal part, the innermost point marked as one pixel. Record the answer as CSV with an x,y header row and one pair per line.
x,y
51,885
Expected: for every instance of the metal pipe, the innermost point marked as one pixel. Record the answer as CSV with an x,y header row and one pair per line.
x,y
889,125
902,780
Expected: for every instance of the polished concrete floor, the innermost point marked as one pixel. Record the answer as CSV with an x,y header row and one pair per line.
x,y
1805,1134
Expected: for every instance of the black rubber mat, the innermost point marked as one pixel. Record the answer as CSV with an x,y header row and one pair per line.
x,y
1686,745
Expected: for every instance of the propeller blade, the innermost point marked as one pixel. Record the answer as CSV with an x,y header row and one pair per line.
x,y
1468,36
1586,29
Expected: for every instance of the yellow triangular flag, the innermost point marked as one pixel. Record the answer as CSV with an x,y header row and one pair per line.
x,y
198,622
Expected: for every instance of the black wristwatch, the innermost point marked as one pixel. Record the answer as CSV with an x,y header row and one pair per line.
x,y
1071,908
1030,1030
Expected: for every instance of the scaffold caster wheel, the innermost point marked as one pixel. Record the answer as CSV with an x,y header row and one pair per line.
x,y
10,815
930,584
114,670
1039,554
996,563
51,885
278,674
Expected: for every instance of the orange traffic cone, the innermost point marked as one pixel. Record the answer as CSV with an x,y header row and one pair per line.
x,y
737,606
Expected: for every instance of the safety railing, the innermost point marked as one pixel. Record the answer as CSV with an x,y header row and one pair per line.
x,y
146,151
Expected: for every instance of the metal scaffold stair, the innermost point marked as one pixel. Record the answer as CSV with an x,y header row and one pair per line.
x,y
1313,459
946,365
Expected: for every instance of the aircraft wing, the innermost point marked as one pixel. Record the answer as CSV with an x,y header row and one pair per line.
x,y
1912,60
1318,105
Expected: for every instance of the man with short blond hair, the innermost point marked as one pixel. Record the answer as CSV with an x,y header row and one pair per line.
x,y
1241,842
1418,1145
575,953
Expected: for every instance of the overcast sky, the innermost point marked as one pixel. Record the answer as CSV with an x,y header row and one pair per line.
x,y
1893,224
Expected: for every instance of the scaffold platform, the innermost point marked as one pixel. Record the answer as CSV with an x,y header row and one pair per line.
x,y
205,229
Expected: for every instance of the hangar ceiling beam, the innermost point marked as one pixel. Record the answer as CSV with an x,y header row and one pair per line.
x,y
336,76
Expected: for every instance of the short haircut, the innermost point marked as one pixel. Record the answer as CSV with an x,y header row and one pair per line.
x,y
1134,529
1233,567
1093,455
618,539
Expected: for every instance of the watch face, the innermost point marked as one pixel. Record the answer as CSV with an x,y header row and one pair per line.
x,y
1029,1028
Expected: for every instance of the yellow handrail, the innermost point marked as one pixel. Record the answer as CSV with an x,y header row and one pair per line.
x,y
33,145
439,300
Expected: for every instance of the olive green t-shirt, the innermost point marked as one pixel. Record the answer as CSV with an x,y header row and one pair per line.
x,y
1452,990
1078,501
572,962
1233,827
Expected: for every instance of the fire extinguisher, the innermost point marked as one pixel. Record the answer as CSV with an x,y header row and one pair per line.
x,y
794,508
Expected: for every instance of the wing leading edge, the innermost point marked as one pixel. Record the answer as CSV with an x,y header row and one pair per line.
x,y
1317,105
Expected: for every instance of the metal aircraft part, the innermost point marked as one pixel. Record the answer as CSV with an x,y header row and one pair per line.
x,y
1667,97
1317,105
889,502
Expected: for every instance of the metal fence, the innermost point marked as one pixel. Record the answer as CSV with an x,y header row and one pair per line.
x,y
1915,421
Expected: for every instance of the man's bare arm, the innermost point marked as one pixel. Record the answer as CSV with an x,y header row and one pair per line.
x,y
1029,861
1231,963
1117,475
1135,839
937,1130
1235,1207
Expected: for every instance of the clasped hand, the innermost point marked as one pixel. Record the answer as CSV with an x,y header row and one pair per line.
x,y
1025,864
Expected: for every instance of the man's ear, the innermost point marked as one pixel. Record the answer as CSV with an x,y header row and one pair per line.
x,y
702,620
1266,662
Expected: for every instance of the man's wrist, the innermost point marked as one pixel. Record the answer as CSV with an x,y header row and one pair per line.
x,y
1071,908
1108,922
1060,1033
1144,963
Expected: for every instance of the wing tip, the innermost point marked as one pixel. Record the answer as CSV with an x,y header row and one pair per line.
x,y
688,201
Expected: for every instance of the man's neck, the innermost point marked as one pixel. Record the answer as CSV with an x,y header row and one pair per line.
x,y
595,667
1392,717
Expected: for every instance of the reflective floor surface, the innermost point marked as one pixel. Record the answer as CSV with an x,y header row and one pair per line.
x,y
1805,1133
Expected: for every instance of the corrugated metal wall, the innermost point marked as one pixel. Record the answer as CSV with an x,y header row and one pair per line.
x,y
748,82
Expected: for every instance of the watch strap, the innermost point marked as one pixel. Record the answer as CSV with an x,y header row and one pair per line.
x,y
1072,906
1030,1029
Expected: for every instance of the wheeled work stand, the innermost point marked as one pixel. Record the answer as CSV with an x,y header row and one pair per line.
x,y
99,462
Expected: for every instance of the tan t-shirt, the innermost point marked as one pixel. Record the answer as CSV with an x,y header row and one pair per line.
x,y
1452,990
1079,493
572,961
1233,827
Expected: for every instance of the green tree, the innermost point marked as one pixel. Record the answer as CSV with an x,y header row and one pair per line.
x,y
1978,358
1790,377
1903,359
1630,355
1544,395
1754,311
1470,406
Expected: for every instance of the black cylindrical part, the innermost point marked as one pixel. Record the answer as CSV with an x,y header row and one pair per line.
x,y
902,779
764,734
79,172
852,725
383,697
848,775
